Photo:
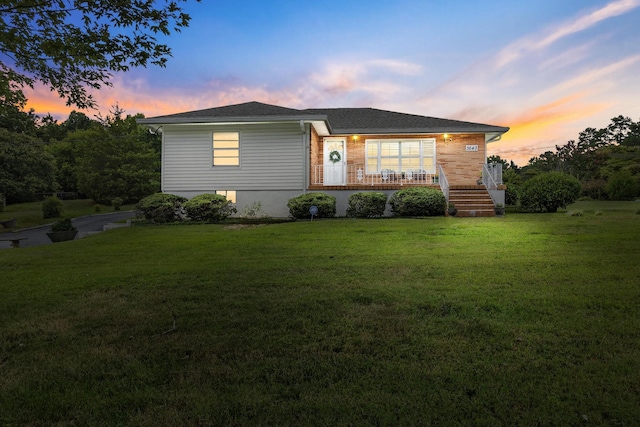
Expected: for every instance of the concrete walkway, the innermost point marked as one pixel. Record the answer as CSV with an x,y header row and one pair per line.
x,y
86,226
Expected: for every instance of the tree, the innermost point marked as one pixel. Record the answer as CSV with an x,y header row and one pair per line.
x,y
26,169
13,119
72,45
115,159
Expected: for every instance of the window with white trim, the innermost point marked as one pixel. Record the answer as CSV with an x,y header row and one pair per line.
x,y
226,149
229,194
401,155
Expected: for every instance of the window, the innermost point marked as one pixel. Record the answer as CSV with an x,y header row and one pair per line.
x,y
226,149
229,194
401,155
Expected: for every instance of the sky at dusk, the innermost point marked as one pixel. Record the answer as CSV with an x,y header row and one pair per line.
x,y
547,69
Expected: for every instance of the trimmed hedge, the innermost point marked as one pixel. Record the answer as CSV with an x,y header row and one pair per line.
x,y
209,207
366,205
299,206
161,207
549,191
418,201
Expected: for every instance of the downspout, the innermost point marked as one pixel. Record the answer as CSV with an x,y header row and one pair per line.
x,y
305,157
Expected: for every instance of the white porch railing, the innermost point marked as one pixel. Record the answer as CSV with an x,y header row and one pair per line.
x,y
444,183
341,174
491,178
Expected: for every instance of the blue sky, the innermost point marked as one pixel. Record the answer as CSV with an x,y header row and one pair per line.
x,y
547,69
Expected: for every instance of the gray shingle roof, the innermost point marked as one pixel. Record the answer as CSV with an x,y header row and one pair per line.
x,y
340,120
371,120
248,109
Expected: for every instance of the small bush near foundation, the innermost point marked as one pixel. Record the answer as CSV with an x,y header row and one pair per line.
x,y
366,205
549,191
161,207
209,207
52,207
254,211
418,201
299,206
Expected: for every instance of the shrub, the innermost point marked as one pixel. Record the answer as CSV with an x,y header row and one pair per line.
x,y
253,211
97,207
299,206
512,194
418,201
116,203
161,207
595,189
52,207
549,191
622,186
366,205
63,225
209,207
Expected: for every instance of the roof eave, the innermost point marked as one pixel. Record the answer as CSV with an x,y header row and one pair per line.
x,y
222,120
482,130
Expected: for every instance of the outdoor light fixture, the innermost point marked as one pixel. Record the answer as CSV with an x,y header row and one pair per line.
x,y
355,138
447,137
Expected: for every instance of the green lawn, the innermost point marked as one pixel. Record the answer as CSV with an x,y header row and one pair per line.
x,y
530,319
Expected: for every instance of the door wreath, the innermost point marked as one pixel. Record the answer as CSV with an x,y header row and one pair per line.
x,y
335,156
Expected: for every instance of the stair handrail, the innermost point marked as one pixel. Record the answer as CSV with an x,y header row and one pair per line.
x,y
487,178
444,184
489,182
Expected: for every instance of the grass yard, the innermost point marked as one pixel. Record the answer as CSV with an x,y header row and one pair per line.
x,y
530,319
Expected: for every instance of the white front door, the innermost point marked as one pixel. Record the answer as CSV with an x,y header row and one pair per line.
x,y
335,161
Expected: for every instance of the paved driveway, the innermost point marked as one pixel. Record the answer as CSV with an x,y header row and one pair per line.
x,y
86,225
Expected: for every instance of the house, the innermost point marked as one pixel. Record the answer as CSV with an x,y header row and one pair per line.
x,y
260,153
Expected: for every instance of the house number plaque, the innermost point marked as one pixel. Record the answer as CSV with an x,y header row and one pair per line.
x,y
471,148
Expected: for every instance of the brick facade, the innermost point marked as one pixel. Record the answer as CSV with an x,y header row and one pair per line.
x,y
461,167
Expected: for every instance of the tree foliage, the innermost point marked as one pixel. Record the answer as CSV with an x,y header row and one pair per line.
x,y
596,157
109,166
26,169
72,45
622,186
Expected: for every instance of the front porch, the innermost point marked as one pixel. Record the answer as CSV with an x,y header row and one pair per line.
x,y
340,176
478,199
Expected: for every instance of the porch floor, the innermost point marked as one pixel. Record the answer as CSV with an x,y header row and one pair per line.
x,y
320,187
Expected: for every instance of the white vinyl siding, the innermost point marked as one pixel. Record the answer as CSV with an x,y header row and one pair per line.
x,y
271,158
400,155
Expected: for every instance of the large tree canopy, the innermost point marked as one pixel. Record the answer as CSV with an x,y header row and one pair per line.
x,y
72,45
